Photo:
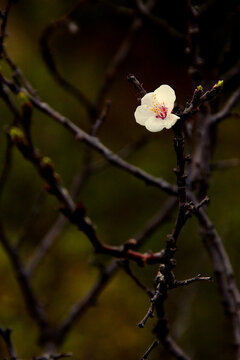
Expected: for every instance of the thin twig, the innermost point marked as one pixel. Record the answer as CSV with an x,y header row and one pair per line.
x,y
4,16
46,243
193,48
98,123
190,281
76,214
146,15
6,336
118,59
30,219
6,165
126,267
124,153
33,306
18,74
95,143
150,349
225,164
227,109
9,102
224,274
80,308
171,346
50,62
61,221
89,299
134,81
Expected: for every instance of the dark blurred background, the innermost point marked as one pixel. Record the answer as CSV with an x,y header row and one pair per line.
x,y
118,203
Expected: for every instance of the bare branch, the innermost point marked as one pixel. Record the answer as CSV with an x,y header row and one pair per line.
x,y
7,99
150,349
126,267
224,274
231,73
165,278
78,183
146,15
118,59
46,243
80,308
95,143
18,74
171,346
98,123
4,18
50,62
6,165
6,336
134,81
225,164
29,221
193,48
76,214
227,109
32,304
124,153
149,313
190,281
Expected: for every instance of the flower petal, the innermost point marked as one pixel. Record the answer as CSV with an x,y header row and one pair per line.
x,y
147,99
153,124
142,114
170,120
165,94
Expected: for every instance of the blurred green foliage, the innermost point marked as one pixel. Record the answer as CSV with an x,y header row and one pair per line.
x,y
118,203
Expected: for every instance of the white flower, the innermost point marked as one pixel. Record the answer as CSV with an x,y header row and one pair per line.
x,y
155,111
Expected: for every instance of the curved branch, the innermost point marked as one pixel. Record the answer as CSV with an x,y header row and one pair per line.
x,y
32,304
226,110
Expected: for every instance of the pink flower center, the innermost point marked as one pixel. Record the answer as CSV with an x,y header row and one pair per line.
x,y
160,111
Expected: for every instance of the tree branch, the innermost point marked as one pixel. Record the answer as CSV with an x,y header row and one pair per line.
x,y
4,18
227,109
6,165
32,304
190,281
6,336
146,15
150,349
224,274
80,308
50,62
95,143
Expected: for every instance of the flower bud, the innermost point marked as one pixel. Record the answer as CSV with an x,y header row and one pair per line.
x,y
17,136
219,84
